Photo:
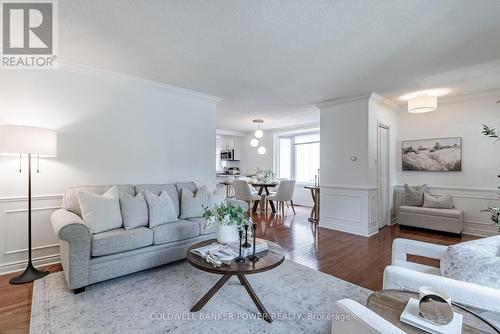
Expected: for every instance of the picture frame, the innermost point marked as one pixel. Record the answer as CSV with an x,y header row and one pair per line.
x,y
432,155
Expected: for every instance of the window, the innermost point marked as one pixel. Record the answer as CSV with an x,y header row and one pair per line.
x,y
298,157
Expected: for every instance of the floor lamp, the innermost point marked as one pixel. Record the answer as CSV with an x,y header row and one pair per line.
x,y
33,142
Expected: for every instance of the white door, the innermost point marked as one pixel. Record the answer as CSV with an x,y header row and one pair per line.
x,y
383,176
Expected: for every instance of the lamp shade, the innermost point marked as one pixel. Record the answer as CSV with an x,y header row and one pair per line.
x,y
15,139
422,103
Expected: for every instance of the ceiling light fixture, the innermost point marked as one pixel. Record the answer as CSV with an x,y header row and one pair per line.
x,y
261,150
422,103
254,142
258,133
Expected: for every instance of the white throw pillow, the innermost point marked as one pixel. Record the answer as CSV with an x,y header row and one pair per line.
x,y
161,208
192,205
101,213
134,210
476,261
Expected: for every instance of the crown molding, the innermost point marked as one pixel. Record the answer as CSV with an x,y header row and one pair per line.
x,y
69,66
223,132
465,97
382,100
342,100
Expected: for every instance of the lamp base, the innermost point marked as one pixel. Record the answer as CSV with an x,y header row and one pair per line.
x,y
30,274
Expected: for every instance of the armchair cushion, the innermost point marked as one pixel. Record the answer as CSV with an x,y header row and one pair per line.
x,y
476,261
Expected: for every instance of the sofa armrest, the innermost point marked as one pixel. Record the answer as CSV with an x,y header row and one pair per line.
x,y
461,292
402,247
75,247
69,226
350,317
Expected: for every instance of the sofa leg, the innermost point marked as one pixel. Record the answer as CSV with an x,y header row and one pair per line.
x,y
79,290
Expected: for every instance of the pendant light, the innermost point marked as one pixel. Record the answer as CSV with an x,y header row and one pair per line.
x,y
254,142
258,133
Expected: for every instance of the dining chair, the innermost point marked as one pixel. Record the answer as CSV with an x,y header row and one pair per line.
x,y
284,195
243,193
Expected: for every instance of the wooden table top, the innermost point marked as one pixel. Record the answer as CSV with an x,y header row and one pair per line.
x,y
268,260
389,304
260,184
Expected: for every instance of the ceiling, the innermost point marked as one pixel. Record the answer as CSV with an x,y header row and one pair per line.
x,y
275,59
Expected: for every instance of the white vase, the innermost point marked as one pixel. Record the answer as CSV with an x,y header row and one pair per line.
x,y
226,234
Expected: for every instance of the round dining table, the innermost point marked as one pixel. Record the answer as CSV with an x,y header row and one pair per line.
x,y
264,187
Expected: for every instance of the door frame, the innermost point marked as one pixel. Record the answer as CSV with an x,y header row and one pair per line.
x,y
388,191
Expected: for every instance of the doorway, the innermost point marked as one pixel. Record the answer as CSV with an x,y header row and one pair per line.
x,y
383,175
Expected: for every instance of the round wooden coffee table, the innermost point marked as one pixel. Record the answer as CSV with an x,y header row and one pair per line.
x,y
389,304
268,260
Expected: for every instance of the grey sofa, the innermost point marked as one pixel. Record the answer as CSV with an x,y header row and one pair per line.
x,y
89,258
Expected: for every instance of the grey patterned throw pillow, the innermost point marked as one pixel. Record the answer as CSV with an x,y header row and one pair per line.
x,y
441,202
161,208
414,195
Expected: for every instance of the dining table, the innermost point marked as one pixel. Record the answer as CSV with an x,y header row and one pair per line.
x,y
264,187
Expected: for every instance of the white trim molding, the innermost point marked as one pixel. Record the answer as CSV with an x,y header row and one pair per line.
x,y
349,209
13,231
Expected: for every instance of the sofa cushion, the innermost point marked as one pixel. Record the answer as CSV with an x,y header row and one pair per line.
x,y
170,189
161,208
451,213
202,221
134,210
101,213
414,195
70,200
121,240
439,202
179,230
192,204
476,261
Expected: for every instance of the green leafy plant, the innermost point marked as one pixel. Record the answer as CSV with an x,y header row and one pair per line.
x,y
494,211
263,175
225,214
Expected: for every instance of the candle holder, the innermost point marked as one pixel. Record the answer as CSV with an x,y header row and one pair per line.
x,y
253,257
246,244
240,258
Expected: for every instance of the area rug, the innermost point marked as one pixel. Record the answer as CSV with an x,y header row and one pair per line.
x,y
158,301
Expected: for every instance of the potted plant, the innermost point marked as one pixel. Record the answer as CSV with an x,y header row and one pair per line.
x,y
494,211
263,175
228,220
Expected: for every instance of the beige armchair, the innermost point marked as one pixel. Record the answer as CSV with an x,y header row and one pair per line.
x,y
284,195
242,192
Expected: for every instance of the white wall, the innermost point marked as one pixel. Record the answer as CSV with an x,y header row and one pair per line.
x,y
474,188
113,129
460,117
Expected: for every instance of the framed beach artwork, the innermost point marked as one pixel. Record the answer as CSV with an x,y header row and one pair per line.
x,y
432,155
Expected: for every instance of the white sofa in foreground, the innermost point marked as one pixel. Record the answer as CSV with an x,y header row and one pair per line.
x,y
403,274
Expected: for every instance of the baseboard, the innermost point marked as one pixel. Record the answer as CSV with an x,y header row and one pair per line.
x,y
347,228
16,266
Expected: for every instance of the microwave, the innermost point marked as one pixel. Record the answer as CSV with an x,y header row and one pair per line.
x,y
227,155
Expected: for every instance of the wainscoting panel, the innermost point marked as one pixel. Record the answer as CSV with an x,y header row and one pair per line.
x,y
14,231
471,201
349,209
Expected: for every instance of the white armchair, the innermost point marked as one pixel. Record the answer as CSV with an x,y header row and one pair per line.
x,y
350,317
403,274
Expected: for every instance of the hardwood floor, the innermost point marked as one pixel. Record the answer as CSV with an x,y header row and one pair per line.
x,y
353,258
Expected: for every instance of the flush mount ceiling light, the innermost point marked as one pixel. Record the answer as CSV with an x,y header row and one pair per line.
x,y
422,103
